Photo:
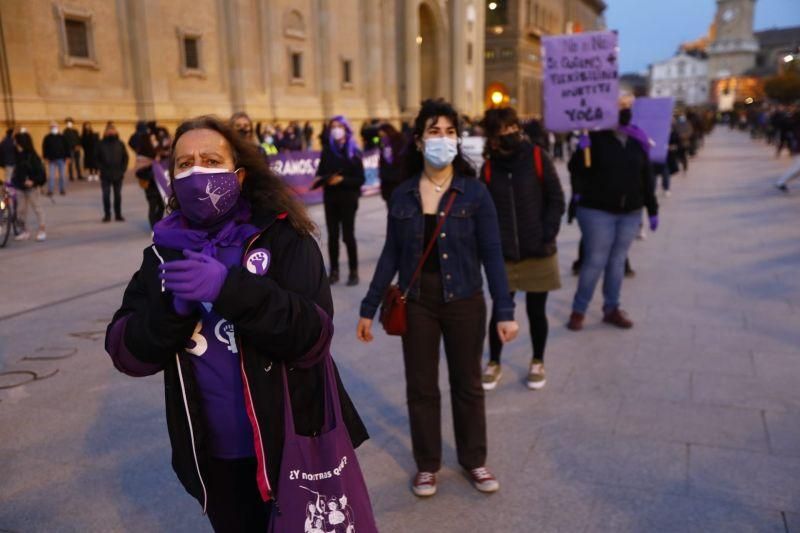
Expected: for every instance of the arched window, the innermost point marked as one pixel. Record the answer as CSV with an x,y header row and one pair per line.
x,y
294,25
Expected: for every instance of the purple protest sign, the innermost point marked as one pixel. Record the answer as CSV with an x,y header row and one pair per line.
x,y
162,180
298,169
654,116
581,84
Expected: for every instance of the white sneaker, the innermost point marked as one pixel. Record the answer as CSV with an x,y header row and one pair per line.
x,y
536,379
424,484
642,235
24,236
41,235
483,480
667,193
491,375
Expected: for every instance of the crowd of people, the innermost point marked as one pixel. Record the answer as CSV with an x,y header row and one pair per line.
x,y
778,126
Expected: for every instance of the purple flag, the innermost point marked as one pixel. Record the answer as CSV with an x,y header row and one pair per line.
x,y
654,116
162,180
581,85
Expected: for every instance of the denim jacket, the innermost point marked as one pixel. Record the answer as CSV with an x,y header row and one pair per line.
x,y
470,236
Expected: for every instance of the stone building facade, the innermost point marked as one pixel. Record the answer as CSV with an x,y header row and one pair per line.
x,y
514,29
278,60
684,77
733,50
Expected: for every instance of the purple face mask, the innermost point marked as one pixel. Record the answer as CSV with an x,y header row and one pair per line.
x,y
206,195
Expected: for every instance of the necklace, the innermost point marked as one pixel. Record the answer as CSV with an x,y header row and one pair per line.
x,y
438,186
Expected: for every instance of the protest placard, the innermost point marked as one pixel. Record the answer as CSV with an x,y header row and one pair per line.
x,y
581,83
654,116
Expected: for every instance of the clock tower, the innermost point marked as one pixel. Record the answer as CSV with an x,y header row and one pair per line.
x,y
733,50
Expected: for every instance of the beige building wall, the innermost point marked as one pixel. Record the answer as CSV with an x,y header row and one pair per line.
x,y
136,70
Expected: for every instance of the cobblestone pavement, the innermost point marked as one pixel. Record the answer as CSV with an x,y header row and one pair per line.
x,y
688,422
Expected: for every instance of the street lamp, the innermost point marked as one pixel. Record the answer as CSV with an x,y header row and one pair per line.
x,y
497,97
788,58
492,6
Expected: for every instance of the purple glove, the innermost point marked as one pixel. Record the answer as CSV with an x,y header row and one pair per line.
x,y
183,307
198,278
653,222
584,141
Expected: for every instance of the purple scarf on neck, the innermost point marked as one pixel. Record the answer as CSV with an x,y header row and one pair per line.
x,y
178,233
638,135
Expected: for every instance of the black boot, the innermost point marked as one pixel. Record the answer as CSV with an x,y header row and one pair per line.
x,y
333,277
352,279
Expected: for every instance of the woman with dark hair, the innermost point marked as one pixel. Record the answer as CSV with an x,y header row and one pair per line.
x,y
526,190
232,291
341,174
443,208
89,141
391,159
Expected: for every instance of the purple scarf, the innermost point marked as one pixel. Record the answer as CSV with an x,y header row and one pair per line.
x,y
176,232
638,135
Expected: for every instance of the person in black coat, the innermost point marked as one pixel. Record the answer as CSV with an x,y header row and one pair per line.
x,y
73,140
28,176
526,191
89,141
255,273
609,196
56,152
390,166
112,160
341,174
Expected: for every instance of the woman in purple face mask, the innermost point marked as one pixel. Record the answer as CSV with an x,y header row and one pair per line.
x,y
233,286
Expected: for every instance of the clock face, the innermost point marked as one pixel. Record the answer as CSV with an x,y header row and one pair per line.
x,y
729,14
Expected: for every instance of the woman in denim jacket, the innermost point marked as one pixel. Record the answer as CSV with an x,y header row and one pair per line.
x,y
447,299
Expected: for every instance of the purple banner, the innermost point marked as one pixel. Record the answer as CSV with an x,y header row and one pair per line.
x,y
654,116
298,170
581,85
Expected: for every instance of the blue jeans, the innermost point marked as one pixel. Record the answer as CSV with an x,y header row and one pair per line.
x,y
607,237
52,166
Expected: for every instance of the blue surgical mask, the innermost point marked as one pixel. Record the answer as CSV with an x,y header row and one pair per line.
x,y
440,151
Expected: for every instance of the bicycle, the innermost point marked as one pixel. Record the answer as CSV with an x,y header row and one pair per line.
x,y
9,223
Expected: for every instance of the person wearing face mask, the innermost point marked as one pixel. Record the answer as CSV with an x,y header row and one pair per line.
x,y
231,296
390,166
441,207
56,152
243,125
73,140
112,160
610,195
341,174
526,190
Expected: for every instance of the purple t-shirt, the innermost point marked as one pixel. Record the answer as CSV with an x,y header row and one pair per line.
x,y
215,357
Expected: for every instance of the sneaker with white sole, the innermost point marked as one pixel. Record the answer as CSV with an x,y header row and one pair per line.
x,y
483,480
424,484
491,375
536,379
24,236
41,235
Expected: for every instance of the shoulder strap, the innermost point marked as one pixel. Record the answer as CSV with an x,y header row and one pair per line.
x,y
487,171
431,243
537,157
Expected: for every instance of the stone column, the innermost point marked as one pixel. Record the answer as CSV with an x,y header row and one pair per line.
x,y
235,61
458,54
411,72
137,45
373,71
325,18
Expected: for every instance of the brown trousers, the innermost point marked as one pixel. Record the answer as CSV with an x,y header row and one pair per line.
x,y
462,324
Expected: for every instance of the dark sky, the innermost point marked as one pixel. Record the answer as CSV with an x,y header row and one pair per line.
x,y
650,35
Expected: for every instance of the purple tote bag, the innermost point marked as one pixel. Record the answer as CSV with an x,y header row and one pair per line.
x,y
321,488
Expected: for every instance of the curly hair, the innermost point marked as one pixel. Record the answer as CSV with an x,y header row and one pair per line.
x,y
262,188
432,109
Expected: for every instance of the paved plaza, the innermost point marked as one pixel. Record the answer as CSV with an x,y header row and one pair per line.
x,y
688,422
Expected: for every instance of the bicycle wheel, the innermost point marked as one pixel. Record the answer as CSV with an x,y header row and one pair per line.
x,y
5,221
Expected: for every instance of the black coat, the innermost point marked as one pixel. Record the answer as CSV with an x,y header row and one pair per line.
x,y
89,142
529,208
277,321
112,159
72,138
352,170
619,179
29,167
8,151
54,146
